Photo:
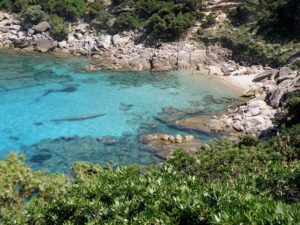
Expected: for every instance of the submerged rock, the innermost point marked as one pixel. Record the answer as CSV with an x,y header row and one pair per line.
x,y
40,158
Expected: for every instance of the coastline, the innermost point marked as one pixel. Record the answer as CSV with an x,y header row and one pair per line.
x,y
123,52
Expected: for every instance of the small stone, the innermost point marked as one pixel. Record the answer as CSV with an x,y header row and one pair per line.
x,y
15,27
178,138
238,127
4,29
78,36
171,139
165,137
188,138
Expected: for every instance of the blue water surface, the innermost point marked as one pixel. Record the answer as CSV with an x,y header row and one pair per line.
x,y
47,99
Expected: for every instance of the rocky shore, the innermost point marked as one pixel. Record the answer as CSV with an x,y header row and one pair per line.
x,y
125,51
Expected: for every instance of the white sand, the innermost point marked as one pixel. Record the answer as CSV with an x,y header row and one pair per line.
x,y
243,81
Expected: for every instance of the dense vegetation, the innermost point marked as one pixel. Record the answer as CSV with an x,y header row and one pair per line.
x,y
168,18
261,32
250,182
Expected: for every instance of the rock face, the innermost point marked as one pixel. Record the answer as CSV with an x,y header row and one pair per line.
x,y
121,51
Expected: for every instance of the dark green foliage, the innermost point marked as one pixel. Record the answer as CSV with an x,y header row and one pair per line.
x,y
292,105
161,19
33,14
273,17
251,182
210,20
260,32
296,65
128,21
59,27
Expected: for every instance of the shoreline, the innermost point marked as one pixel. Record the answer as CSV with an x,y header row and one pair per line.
x,y
231,81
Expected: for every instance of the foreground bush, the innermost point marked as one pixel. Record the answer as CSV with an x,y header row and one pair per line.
x,y
251,182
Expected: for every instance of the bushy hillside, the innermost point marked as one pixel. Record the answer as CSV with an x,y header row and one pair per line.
x,y
250,182
166,19
261,32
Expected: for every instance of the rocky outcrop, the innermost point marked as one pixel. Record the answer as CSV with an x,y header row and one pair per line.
x,y
41,27
164,144
121,51
255,117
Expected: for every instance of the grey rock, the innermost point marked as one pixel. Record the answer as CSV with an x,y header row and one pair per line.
x,y
257,120
62,44
44,45
4,29
178,138
188,138
41,27
263,76
119,40
104,41
1,16
5,22
278,93
249,93
238,127
254,111
78,36
257,104
81,28
14,27
285,71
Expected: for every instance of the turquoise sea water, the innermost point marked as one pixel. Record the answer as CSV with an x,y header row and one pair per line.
x,y
56,113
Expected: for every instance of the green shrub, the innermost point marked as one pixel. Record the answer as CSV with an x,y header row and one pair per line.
x,y
33,14
59,27
296,65
251,182
210,20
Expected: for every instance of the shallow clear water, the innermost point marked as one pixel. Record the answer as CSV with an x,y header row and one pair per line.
x,y
55,112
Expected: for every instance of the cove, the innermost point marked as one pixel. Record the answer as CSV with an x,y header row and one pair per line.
x,y
57,114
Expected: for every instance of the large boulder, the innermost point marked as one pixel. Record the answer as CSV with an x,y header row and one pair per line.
x,y
62,44
260,104
278,93
263,76
120,40
285,73
78,36
81,28
5,22
104,41
4,29
45,45
14,27
41,27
